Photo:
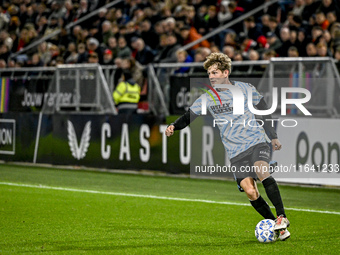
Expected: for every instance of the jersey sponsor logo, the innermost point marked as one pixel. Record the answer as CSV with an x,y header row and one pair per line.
x,y
79,152
213,90
224,108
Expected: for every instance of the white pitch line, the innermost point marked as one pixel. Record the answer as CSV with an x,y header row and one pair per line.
x,y
154,197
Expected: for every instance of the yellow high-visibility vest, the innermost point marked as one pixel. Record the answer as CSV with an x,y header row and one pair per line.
x,y
126,93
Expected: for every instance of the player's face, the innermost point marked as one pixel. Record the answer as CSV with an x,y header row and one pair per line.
x,y
217,76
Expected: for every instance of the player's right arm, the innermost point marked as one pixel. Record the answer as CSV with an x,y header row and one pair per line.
x,y
181,122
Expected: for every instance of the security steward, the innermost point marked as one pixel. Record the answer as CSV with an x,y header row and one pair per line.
x,y
127,94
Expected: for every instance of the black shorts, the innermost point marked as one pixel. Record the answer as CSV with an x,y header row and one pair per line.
x,y
242,163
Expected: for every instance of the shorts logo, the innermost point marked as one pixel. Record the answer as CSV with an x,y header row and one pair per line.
x,y
79,152
264,153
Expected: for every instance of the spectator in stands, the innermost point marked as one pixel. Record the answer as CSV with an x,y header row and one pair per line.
x,y
41,25
236,12
168,53
4,52
211,18
108,57
293,38
293,52
200,56
321,20
316,34
230,39
285,39
144,54
311,50
75,35
106,31
337,56
274,27
239,57
189,34
3,64
93,31
267,55
327,38
332,18
131,31
71,55
265,24
296,23
6,39
169,25
148,34
22,40
56,10
51,28
123,50
183,57
328,6
127,94
112,46
44,53
302,42
273,41
224,15
92,44
322,50
82,11
36,61
93,58
262,44
298,7
163,42
151,13
159,29
334,29
82,53
229,51
70,12
214,49
253,30
194,20
309,9
135,68
253,55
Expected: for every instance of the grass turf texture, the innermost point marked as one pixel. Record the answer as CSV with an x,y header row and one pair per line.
x,y
67,222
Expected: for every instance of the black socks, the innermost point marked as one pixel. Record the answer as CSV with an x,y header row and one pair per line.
x,y
273,194
262,208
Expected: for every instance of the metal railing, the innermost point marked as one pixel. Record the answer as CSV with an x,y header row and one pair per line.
x,y
324,103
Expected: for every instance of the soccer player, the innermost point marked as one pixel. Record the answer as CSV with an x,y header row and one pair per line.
x,y
245,145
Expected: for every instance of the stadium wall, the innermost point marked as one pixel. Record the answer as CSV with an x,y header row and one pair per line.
x,y
310,153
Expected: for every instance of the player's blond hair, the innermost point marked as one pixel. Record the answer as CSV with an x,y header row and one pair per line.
x,y
221,60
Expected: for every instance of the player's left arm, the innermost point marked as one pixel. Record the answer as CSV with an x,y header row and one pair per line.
x,y
268,127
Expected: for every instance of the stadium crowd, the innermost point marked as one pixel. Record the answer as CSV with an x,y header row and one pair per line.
x,y
137,32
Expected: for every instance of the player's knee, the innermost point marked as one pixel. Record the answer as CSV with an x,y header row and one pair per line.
x,y
252,193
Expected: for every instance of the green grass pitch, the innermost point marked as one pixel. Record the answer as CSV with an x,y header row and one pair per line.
x,y
56,211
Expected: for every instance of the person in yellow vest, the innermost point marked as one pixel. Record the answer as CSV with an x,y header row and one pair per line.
x,y
127,94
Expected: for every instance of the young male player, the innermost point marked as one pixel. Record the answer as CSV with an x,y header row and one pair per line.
x,y
245,145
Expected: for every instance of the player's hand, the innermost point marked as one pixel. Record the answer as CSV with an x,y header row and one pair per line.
x,y
170,130
276,144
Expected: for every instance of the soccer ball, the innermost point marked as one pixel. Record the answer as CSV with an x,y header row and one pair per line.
x,y
264,231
